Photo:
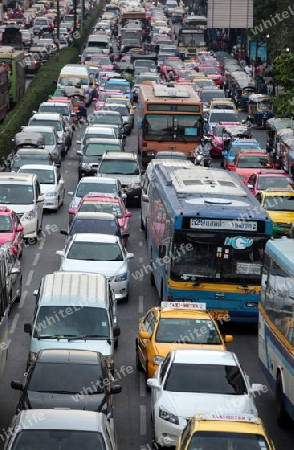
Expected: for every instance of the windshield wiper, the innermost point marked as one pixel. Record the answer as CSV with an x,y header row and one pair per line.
x,y
54,336
88,336
59,392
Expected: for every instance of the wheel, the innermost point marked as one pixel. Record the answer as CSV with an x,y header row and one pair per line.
x,y
115,344
152,279
17,300
283,418
142,223
138,362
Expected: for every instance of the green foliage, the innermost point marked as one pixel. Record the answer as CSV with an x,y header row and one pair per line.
x,y
41,87
284,77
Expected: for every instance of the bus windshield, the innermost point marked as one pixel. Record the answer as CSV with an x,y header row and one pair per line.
x,y
191,39
214,257
172,127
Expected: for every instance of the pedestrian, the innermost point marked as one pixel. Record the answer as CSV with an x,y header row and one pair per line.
x,y
263,88
248,70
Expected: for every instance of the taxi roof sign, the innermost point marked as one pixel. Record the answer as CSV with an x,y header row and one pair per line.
x,y
184,305
230,417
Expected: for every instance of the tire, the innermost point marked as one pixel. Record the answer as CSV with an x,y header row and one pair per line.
x,y
283,418
152,279
138,362
142,223
17,300
115,344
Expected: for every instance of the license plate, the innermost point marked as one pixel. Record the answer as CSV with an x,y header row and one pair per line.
x,y
219,314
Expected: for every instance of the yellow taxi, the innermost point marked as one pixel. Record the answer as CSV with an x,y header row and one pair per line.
x,y
224,432
222,103
175,325
279,204
203,82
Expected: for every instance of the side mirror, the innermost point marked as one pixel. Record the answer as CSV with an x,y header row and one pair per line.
x,y
27,328
78,142
250,186
116,331
116,389
71,212
79,152
19,228
17,385
14,271
153,384
130,255
228,338
64,232
145,198
144,335
60,253
35,292
40,199
128,214
70,194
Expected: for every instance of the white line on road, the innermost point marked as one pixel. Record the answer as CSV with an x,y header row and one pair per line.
x,y
14,323
142,384
42,243
141,304
143,426
141,260
22,300
140,244
30,276
35,262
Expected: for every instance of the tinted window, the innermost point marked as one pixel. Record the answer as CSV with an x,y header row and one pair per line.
x,y
121,167
223,440
176,330
95,226
103,188
16,194
95,251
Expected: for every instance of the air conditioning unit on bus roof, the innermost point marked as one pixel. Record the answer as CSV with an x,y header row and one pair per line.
x,y
6,49
170,91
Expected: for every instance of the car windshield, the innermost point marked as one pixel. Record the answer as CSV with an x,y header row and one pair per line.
x,y
16,194
279,203
105,119
274,182
29,159
48,137
99,187
235,149
5,224
72,81
224,380
145,63
95,226
122,109
97,149
217,117
208,96
95,251
47,123
66,377
63,110
122,87
174,330
44,176
227,440
218,131
106,207
254,162
119,167
58,439
208,70
80,322
99,60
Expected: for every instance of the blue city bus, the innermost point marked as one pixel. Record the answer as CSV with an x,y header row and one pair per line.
x,y
206,235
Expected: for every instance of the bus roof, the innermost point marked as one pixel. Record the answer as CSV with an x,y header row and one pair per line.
x,y
159,92
207,192
10,52
282,250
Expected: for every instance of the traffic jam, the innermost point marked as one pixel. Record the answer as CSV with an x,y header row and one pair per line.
x,y
158,132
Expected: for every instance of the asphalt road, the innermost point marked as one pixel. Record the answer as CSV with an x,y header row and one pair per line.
x,y
132,406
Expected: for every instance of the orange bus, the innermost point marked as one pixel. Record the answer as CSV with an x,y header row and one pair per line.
x,y
132,13
4,92
170,117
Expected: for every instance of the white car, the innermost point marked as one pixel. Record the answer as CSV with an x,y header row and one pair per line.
x,y
99,253
51,183
192,381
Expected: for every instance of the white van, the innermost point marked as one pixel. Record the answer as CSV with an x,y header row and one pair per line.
x,y
76,75
74,310
21,192
147,178
100,42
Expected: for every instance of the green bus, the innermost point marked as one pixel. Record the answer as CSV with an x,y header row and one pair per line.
x,y
14,61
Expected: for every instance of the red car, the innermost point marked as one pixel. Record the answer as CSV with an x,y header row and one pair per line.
x,y
106,203
212,73
269,179
217,144
247,163
168,67
11,231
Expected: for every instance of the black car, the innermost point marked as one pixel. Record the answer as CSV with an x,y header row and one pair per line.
x,y
91,154
75,379
106,117
94,222
30,156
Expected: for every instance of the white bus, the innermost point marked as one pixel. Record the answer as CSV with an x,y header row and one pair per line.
x,y
276,325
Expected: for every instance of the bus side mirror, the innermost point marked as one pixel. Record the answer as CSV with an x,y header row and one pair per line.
x,y
162,251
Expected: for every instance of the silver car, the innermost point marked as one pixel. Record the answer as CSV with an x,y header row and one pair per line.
x,y
58,122
52,143
61,428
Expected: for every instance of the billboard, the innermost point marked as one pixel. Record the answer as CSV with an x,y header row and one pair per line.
x,y
230,14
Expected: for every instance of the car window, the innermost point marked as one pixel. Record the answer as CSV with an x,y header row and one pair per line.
x,y
95,251
5,224
163,368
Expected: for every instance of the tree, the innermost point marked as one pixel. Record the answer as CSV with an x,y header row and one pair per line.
x,y
284,76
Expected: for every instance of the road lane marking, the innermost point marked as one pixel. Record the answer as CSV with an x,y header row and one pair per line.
x,y
142,384
141,304
35,262
14,323
29,278
141,260
143,426
140,244
22,300
42,243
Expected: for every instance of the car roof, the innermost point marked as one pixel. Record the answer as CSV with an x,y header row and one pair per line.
x,y
38,167
95,237
60,419
202,356
120,155
94,215
51,116
98,180
102,141
45,128
59,356
23,178
35,151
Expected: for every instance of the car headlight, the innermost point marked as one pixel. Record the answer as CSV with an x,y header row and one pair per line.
x,y
8,244
164,414
157,360
86,166
30,215
121,277
51,194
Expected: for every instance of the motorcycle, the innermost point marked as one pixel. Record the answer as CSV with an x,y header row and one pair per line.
x,y
202,153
